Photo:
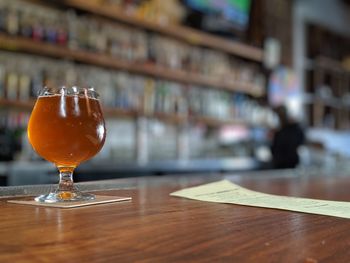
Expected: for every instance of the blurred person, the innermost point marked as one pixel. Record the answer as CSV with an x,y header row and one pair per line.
x,y
286,141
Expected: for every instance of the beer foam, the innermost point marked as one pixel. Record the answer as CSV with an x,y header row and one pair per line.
x,y
67,95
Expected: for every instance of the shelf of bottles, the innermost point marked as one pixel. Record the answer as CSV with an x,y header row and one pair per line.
x,y
175,82
124,94
51,32
19,43
160,21
331,97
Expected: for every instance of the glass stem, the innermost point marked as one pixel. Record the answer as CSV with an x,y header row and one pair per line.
x,y
66,179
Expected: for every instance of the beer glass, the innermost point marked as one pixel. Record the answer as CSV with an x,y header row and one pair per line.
x,y
66,127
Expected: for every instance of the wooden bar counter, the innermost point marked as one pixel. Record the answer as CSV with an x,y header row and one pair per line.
x,y
155,227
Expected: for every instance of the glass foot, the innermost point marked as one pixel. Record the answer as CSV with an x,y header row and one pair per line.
x,y
56,197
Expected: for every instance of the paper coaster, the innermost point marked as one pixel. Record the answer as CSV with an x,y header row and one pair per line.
x,y
99,199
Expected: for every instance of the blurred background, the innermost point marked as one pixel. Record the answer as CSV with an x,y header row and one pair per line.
x,y
187,86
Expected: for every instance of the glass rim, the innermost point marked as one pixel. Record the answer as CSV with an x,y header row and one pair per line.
x,y
86,91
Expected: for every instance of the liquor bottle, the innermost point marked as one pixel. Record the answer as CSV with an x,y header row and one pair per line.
x,y
38,28
3,16
37,81
50,31
24,87
92,35
2,81
148,102
12,21
62,32
26,23
71,76
12,85
72,26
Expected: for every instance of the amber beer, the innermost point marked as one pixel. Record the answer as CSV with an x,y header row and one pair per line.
x,y
67,130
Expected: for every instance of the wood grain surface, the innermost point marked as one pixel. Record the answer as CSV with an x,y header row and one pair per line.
x,y
155,227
